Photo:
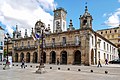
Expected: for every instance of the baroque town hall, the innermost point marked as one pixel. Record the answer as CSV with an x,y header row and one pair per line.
x,y
83,46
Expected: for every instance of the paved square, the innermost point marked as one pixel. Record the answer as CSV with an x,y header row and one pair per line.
x,y
16,73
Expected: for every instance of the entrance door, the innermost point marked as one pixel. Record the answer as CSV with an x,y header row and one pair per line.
x,y
64,57
77,57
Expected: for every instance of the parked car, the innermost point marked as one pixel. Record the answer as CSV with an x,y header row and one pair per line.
x,y
115,61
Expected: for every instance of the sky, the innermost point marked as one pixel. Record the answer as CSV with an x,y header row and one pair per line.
x,y
25,13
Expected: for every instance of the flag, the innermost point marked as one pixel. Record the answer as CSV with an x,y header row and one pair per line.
x,y
37,36
33,36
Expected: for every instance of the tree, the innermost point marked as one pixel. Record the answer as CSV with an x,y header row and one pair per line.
x,y
5,53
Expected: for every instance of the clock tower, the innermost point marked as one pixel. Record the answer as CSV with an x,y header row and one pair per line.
x,y
59,22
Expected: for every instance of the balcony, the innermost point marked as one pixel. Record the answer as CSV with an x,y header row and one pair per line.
x,y
29,47
61,44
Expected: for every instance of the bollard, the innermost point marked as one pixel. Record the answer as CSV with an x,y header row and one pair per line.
x,y
17,65
36,66
50,67
12,64
68,69
79,70
30,65
25,65
91,70
106,72
58,68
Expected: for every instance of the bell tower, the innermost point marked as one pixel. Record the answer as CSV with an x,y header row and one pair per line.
x,y
59,22
86,19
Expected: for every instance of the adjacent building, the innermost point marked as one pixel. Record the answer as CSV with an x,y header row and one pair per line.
x,y
1,43
81,46
112,34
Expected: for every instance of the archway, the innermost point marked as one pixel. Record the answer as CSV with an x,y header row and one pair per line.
x,y
35,57
92,57
21,56
53,57
16,57
77,57
28,57
63,57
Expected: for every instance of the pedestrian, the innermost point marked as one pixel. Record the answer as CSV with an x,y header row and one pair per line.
x,y
99,63
106,62
23,64
58,61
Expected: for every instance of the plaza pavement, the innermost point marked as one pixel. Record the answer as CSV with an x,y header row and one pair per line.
x,y
16,73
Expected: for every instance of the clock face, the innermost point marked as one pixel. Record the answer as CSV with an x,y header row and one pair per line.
x,y
57,14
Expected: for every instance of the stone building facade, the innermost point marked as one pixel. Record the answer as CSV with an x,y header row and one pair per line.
x,y
83,46
113,34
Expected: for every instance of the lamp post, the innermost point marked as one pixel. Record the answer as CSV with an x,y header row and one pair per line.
x,y
41,66
7,37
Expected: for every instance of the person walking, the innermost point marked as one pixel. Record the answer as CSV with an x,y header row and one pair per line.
x,y
58,61
23,64
99,63
106,62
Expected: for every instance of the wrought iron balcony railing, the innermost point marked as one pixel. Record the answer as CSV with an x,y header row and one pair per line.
x,y
25,47
50,45
61,44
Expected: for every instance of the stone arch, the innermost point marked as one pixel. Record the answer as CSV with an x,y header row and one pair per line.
x,y
28,57
21,56
92,57
63,57
77,57
35,57
52,57
16,57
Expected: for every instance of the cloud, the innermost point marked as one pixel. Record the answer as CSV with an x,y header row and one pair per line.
x,y
25,13
118,0
113,19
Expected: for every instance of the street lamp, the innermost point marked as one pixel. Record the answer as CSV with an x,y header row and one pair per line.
x,y
7,37
41,66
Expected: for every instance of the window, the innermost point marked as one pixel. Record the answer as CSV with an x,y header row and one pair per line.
x,y
92,40
1,43
1,48
101,32
110,48
104,56
22,44
106,32
53,42
115,31
99,55
28,43
107,47
108,56
64,41
99,43
110,31
104,45
76,40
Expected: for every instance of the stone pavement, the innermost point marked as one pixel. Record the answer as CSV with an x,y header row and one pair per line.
x,y
16,73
